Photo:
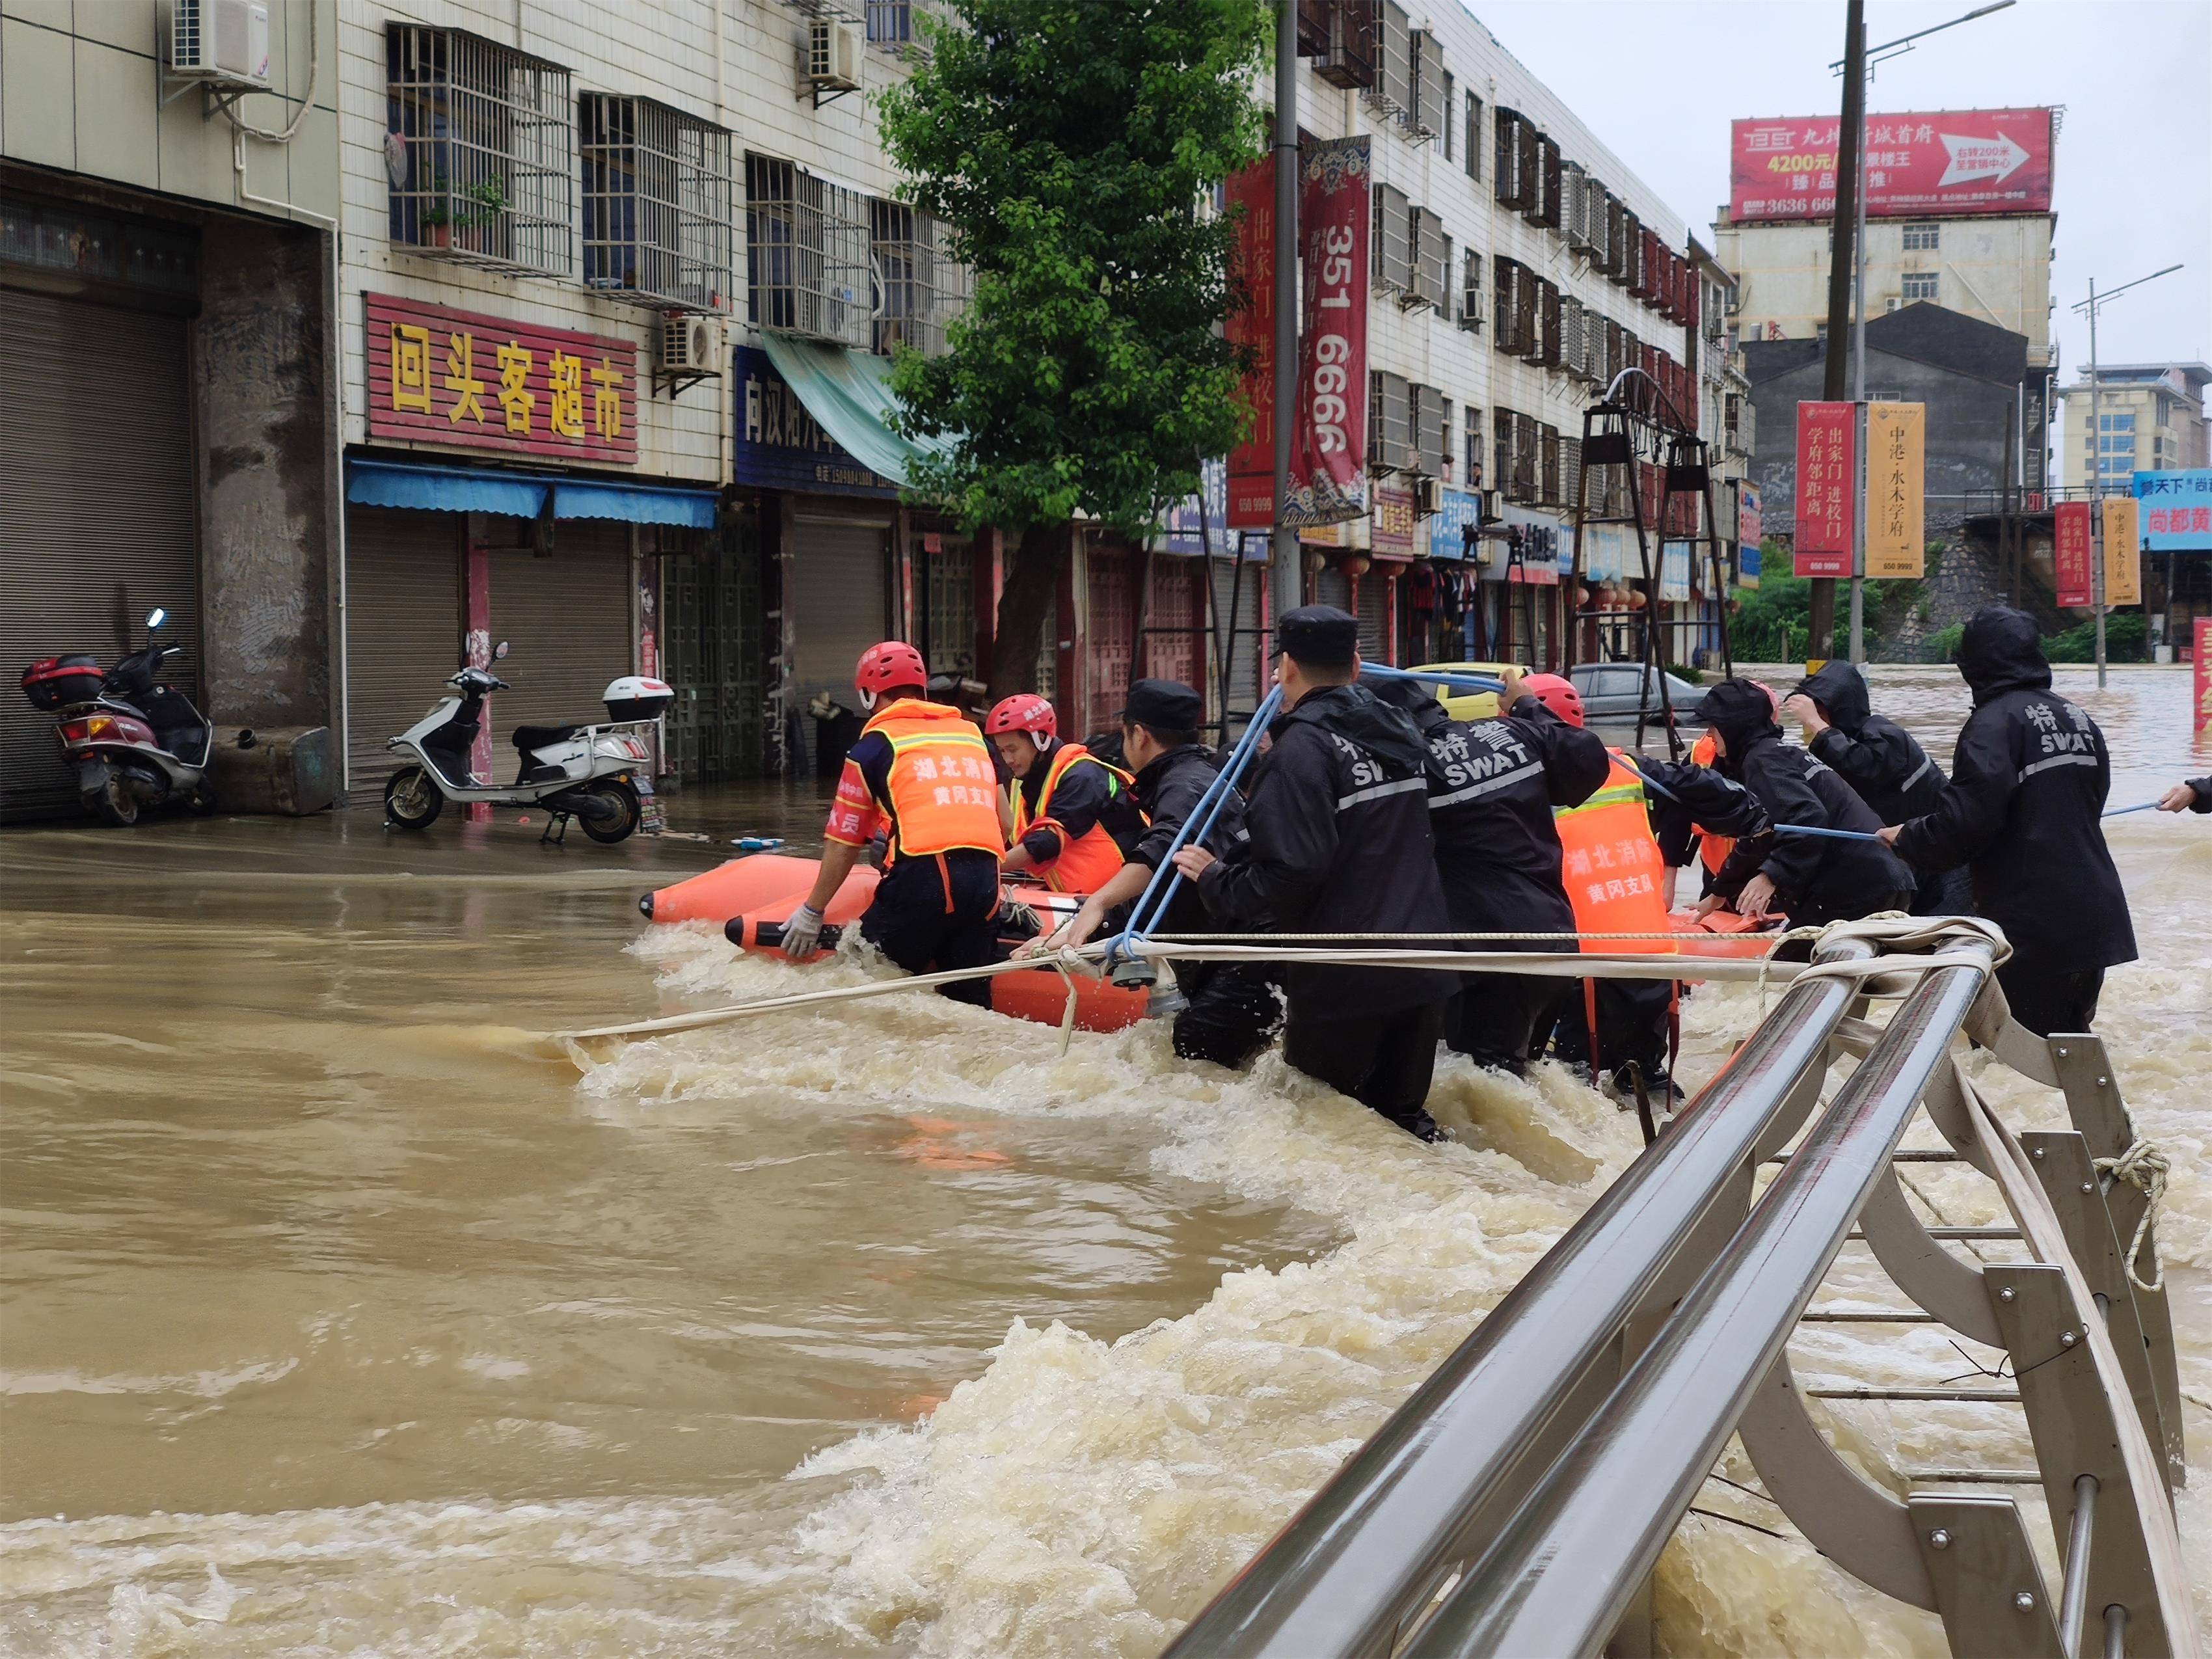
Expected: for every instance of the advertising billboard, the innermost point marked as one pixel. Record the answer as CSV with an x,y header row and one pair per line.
x,y
1251,327
1896,490
1827,488
1940,164
2122,525
2176,510
2071,554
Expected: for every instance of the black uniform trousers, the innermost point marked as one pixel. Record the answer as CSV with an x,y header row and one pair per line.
x,y
1632,1021
1500,1020
1232,1012
2047,1003
1385,1062
939,911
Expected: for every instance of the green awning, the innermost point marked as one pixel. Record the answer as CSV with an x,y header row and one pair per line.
x,y
849,392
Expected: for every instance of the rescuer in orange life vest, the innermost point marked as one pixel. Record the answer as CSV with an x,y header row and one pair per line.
x,y
1616,848
922,774
1075,818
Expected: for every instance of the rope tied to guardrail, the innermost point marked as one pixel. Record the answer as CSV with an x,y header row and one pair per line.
x,y
2144,1167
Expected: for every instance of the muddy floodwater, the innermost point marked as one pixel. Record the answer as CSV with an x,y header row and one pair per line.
x,y
341,1317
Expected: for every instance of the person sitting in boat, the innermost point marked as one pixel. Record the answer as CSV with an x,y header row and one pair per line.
x,y
1231,1008
920,776
1074,816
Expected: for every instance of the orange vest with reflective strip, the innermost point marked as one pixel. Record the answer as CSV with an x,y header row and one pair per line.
x,y
1088,862
1712,849
1612,869
944,788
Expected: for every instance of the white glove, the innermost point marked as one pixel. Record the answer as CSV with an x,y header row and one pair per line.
x,y
802,933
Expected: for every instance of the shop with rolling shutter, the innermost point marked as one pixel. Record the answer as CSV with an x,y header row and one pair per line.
x,y
1237,675
404,631
1372,601
836,603
566,618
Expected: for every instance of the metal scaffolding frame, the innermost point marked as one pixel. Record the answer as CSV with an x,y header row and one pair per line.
x,y
658,204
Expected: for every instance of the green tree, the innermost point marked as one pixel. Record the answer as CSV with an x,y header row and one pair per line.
x,y
1071,146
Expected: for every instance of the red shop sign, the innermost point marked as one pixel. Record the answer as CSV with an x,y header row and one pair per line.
x,y
442,376
2071,555
1252,326
1827,488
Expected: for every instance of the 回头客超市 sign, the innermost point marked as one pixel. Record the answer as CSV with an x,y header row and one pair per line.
x,y
437,375
1935,165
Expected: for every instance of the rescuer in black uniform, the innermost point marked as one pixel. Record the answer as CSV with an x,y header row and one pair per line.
x,y
1232,1008
1812,878
1338,842
1879,759
2029,778
1492,784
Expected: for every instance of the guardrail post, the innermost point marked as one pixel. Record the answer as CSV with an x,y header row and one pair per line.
x,y
1989,1587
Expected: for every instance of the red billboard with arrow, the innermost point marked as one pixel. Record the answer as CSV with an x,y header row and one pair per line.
x,y
1938,165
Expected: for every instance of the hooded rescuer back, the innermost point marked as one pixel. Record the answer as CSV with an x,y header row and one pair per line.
x,y
1876,755
2028,779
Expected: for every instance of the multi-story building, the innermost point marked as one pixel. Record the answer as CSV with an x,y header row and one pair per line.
x,y
2150,418
166,286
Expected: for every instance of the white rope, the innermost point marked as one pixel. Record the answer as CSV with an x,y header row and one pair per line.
x,y
2143,1166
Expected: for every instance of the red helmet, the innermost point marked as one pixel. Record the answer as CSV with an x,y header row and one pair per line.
x,y
887,666
1023,712
1557,693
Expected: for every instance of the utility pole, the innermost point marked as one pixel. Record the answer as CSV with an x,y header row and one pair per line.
x,y
1858,399
1286,577
1841,224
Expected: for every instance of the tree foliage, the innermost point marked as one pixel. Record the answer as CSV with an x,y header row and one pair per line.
x,y
1071,147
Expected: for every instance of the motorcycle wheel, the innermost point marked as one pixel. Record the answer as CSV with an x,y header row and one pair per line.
x,y
114,804
412,798
624,823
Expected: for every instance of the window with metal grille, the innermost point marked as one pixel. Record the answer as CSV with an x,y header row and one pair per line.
x,y
1425,79
1922,238
478,138
1506,330
658,204
1475,460
1431,259
1389,422
1392,260
1548,322
1570,334
1430,422
1393,87
1502,421
807,254
1470,299
1574,209
1923,284
1446,106
1472,159
1525,449
1548,465
1571,471
1506,184
919,287
1345,32
1544,207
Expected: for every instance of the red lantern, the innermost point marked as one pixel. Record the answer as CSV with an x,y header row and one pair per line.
x,y
1356,564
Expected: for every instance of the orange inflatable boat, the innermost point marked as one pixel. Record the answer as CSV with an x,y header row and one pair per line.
x,y
751,898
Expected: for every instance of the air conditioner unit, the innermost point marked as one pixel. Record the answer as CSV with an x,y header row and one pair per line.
x,y
833,55
1892,303
1428,497
223,42
689,346
1470,311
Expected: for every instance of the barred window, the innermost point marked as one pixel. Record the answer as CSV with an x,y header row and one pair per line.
x,y
658,203
1446,106
1473,160
478,139
807,254
1423,113
1470,302
1393,58
1431,257
919,287
1475,467
1389,422
1339,36
1431,424
1548,465
1392,235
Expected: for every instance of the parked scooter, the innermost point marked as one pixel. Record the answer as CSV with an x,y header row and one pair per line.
x,y
582,771
134,742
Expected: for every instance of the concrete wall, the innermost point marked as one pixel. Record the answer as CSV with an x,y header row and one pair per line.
x,y
1997,270
268,500
81,90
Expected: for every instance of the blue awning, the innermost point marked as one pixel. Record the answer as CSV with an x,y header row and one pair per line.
x,y
522,494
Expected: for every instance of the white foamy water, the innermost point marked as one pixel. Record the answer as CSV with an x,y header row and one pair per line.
x,y
1071,1494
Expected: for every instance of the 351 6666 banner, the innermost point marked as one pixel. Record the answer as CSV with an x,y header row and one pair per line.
x,y
1949,163
1827,488
1328,458
2070,554
1251,326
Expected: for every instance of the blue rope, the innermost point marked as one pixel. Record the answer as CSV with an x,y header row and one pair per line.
x,y
1664,793
2122,811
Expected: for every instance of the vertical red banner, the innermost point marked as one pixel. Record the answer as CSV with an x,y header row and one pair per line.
x,y
1827,488
1251,195
2201,676
2070,555
1328,460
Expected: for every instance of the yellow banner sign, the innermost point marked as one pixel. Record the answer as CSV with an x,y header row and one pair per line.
x,y
1896,488
2122,551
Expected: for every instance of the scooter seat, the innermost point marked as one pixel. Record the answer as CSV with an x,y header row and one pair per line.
x,y
527,738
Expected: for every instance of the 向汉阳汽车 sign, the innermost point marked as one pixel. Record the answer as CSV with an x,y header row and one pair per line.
x,y
438,375
1827,488
1936,164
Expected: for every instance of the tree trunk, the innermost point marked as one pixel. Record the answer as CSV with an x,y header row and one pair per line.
x,y
1026,609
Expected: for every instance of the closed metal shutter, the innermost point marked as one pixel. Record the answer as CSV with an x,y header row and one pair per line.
x,y
403,632
1238,601
836,606
96,474
565,621
1374,614
1171,638
1333,586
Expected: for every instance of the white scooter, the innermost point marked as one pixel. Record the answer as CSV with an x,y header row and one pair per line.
x,y
583,771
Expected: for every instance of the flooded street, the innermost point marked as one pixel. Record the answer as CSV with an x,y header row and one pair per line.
x,y
343,1319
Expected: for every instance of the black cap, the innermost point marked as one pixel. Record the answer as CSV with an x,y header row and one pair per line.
x,y
1318,634
1165,705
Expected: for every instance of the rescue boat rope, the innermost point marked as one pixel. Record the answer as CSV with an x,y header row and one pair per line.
x,y
2143,1166
1665,794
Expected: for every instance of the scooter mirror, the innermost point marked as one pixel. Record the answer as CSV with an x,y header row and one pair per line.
x,y
157,618
499,652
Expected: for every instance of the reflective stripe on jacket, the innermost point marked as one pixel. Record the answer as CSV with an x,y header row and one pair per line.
x,y
943,786
1612,869
1087,862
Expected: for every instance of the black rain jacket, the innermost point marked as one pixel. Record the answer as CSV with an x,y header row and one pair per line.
x,y
1169,791
2028,779
1877,757
1811,874
1684,799
1337,840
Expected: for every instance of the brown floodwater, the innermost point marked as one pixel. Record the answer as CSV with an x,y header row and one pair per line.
x,y
341,1318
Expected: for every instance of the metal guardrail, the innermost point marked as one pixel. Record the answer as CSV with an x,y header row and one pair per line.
x,y
1516,1502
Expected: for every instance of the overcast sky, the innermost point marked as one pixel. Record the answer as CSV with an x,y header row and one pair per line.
x,y
1659,80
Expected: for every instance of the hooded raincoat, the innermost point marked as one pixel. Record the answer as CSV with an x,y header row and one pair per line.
x,y
1876,756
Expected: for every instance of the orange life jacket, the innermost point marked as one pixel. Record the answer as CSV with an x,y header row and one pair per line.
x,y
1088,862
944,788
1713,850
1614,875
